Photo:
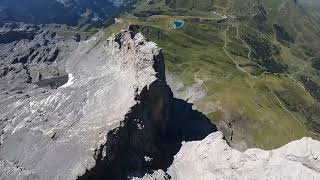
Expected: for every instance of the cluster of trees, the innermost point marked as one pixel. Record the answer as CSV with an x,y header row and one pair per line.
x,y
315,62
310,111
311,86
265,53
282,34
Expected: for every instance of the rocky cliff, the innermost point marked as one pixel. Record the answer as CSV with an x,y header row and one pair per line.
x,y
108,113
59,134
115,116
213,158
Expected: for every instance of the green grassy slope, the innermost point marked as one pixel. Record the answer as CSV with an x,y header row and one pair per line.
x,y
259,70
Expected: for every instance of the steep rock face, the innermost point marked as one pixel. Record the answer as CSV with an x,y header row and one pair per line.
x,y
102,111
114,86
114,117
213,158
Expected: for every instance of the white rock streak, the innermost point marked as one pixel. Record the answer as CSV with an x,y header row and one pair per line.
x,y
70,81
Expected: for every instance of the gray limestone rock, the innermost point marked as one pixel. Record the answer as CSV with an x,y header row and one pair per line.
x,y
98,109
101,109
30,53
212,158
114,87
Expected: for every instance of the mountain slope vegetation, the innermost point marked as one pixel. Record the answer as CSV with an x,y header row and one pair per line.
x,y
257,61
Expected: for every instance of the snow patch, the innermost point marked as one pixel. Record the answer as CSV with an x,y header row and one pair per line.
x,y
70,81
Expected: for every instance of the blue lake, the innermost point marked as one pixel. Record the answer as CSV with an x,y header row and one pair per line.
x,y
177,24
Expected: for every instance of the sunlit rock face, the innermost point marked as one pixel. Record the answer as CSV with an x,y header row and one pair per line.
x,y
113,84
213,158
95,109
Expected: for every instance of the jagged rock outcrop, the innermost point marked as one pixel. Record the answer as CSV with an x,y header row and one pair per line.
x,y
213,158
30,54
113,86
112,117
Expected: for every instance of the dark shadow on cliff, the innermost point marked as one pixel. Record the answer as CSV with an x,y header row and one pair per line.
x,y
151,133
186,125
135,152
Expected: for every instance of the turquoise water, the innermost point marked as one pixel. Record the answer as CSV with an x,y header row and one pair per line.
x,y
177,24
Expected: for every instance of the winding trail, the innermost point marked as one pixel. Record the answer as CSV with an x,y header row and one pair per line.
x,y
229,55
298,72
287,110
249,48
243,42
253,76
196,78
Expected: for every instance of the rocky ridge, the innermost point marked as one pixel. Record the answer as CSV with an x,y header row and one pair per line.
x,y
73,121
213,158
113,116
296,160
